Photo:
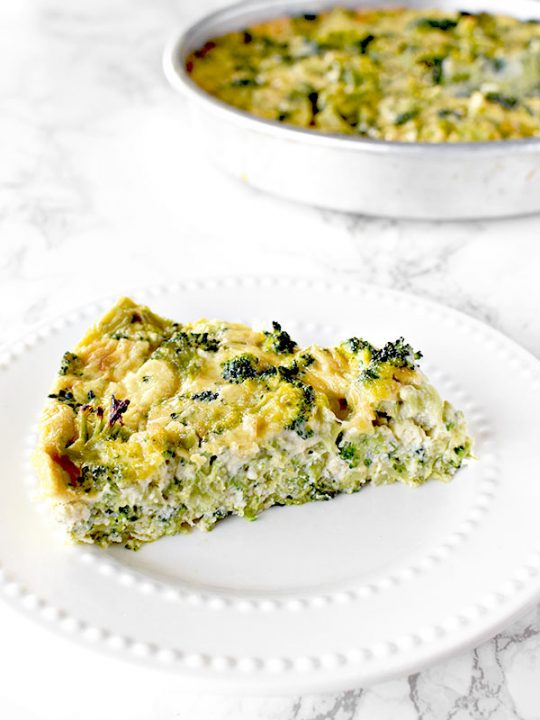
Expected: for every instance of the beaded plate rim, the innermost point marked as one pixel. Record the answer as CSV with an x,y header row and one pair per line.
x,y
523,581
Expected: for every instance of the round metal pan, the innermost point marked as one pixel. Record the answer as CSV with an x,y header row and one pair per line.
x,y
375,177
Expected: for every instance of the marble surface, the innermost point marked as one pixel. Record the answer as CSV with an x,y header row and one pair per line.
x,y
101,190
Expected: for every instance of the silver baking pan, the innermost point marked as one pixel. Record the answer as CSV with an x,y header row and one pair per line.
x,y
393,179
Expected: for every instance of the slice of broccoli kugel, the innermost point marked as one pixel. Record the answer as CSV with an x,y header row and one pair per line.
x,y
154,427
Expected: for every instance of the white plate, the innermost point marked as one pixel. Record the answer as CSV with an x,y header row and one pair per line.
x,y
323,596
346,172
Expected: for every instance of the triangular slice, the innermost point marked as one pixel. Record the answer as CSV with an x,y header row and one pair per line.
x,y
153,427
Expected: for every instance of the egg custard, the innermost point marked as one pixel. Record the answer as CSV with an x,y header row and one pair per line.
x,y
154,427
412,75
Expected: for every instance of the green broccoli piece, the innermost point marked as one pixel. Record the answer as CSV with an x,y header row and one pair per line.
x,y
240,368
93,478
505,101
349,453
299,423
369,373
205,395
404,117
364,43
356,345
443,24
67,398
397,353
280,341
435,64
70,364
181,349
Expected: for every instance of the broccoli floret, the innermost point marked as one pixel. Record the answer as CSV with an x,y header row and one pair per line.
x,y
365,42
93,478
397,353
290,373
435,64
70,364
443,24
356,345
280,341
182,348
66,397
118,408
505,101
182,341
239,368
205,395
243,367
462,452
299,423
202,341
205,341
349,453
404,117
369,373
244,82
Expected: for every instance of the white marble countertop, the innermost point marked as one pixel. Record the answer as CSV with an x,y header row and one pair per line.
x,y
101,190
